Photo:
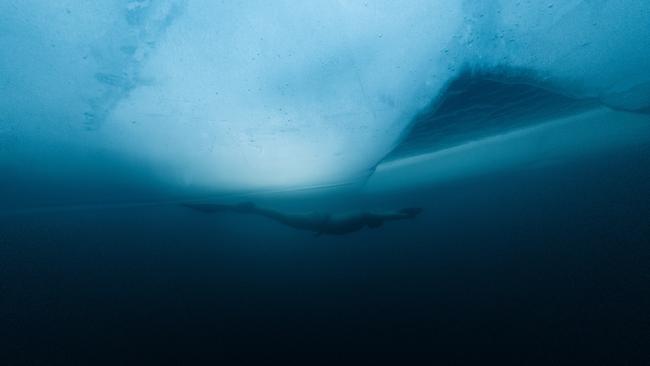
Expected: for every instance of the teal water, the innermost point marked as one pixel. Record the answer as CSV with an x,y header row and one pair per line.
x,y
544,266
522,130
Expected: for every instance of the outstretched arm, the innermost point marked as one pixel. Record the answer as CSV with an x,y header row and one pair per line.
x,y
403,214
297,220
216,207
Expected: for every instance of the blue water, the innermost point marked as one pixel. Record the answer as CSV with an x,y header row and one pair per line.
x,y
543,266
527,149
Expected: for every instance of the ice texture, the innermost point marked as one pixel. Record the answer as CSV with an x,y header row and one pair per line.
x,y
255,94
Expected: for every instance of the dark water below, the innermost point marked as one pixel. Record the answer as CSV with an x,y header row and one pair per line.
x,y
547,266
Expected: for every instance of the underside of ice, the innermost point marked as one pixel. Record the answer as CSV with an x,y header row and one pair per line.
x,y
285,93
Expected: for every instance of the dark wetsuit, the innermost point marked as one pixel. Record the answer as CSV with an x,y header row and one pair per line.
x,y
317,222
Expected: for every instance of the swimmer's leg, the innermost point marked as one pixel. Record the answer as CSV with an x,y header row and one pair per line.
x,y
298,221
411,211
245,207
405,213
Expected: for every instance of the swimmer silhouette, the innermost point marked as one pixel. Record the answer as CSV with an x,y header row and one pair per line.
x,y
317,222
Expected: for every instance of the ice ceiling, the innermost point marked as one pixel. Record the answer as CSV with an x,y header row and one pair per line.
x,y
285,93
